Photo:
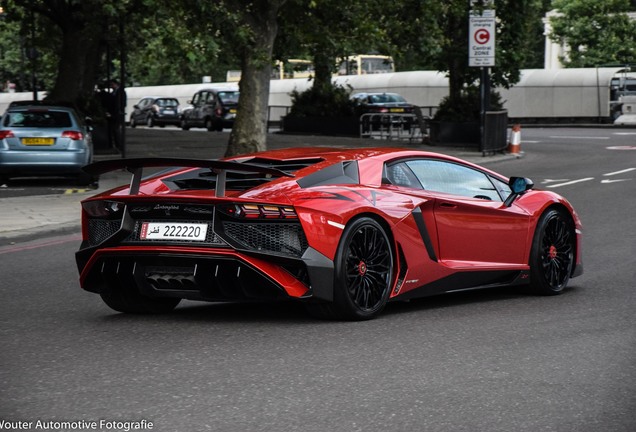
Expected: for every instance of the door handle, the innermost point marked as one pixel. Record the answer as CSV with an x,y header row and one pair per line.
x,y
448,205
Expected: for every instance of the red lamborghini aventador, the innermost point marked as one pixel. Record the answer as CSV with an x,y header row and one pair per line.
x,y
343,231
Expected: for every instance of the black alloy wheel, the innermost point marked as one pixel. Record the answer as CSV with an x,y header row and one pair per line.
x,y
150,121
363,270
552,253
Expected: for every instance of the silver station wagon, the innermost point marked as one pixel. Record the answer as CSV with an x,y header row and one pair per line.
x,y
44,140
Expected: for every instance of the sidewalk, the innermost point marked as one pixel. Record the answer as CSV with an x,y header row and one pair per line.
x,y
31,217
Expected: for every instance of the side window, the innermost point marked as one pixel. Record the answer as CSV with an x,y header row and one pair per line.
x,y
399,174
502,187
452,178
197,99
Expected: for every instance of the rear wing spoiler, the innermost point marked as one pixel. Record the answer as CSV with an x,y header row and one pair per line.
x,y
136,165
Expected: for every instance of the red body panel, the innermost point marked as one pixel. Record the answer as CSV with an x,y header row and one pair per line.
x,y
456,234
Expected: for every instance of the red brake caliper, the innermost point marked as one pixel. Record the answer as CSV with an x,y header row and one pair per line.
x,y
362,268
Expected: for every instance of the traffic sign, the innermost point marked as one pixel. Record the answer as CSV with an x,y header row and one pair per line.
x,y
481,42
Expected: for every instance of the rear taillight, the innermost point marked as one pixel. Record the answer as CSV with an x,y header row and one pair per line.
x,y
104,209
6,134
74,135
218,111
259,211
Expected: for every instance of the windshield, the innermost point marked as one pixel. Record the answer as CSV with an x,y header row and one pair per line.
x,y
386,98
167,102
39,119
231,97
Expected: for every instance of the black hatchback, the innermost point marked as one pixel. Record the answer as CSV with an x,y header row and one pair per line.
x,y
213,109
154,110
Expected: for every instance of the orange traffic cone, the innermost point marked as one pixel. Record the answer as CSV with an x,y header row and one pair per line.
x,y
514,146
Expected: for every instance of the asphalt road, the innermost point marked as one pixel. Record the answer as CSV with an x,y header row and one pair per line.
x,y
482,361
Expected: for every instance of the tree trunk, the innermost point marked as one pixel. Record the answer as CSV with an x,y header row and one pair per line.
x,y
79,60
249,133
323,70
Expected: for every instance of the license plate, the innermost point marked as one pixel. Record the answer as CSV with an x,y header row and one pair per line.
x,y
168,111
397,110
173,231
232,111
38,141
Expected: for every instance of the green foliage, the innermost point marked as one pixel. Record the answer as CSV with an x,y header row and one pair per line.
x,y
318,102
597,32
18,43
166,48
467,107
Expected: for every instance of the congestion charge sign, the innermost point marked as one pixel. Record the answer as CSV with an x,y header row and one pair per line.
x,y
481,43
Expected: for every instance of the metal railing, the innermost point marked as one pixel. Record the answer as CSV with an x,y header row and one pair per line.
x,y
411,127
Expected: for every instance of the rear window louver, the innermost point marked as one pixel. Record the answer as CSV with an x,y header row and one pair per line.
x,y
204,178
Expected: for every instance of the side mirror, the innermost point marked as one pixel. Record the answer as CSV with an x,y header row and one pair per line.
x,y
518,185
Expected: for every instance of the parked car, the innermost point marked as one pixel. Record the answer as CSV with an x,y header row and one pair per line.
x,y
343,231
383,110
213,109
156,110
39,139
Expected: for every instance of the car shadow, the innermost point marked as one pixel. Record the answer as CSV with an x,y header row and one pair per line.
x,y
293,312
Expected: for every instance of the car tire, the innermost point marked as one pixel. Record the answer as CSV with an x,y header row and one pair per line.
x,y
133,123
553,252
209,125
128,300
363,270
150,121
184,125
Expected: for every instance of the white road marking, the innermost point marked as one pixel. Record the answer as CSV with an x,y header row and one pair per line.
x,y
620,172
571,182
579,137
554,180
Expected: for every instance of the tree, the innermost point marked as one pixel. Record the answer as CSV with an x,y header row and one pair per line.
x,y
81,26
511,39
597,32
177,43
326,31
251,27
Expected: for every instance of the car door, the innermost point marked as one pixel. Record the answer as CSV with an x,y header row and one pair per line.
x,y
474,227
198,106
139,113
208,106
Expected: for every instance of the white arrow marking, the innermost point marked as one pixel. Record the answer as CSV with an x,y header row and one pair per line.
x,y
605,181
620,172
571,182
